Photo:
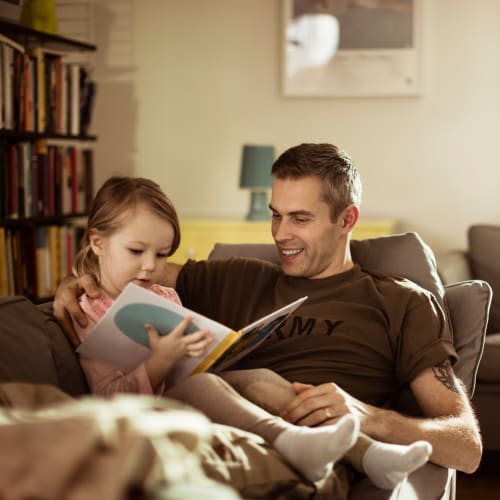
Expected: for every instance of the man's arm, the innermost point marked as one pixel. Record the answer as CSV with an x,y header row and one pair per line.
x,y
449,423
66,303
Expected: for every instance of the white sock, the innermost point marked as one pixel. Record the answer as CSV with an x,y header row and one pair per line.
x,y
313,450
388,464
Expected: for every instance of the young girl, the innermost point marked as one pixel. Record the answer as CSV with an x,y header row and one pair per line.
x,y
132,229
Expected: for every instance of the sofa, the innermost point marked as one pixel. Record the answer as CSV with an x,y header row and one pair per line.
x,y
480,261
36,353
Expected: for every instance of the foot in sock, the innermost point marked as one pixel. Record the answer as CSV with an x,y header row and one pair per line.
x,y
313,450
388,464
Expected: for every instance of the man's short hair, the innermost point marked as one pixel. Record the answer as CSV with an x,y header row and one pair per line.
x,y
332,166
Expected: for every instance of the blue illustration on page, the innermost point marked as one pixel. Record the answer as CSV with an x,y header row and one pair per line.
x,y
130,320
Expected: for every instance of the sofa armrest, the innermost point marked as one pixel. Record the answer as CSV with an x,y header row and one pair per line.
x,y
454,267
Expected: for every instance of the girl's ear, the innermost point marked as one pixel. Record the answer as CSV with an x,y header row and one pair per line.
x,y
96,243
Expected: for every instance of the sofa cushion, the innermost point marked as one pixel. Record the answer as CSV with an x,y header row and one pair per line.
x,y
26,354
404,255
484,248
33,348
398,254
70,374
468,304
488,369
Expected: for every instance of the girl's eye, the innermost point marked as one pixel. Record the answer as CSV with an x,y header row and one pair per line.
x,y
162,255
135,251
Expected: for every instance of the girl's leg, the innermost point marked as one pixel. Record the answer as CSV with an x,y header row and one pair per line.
x,y
310,450
385,464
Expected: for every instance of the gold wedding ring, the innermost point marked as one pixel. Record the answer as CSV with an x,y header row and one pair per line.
x,y
328,413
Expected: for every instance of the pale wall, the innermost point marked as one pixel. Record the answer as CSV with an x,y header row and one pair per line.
x,y
198,78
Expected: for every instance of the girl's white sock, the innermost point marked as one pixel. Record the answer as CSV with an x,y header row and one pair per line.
x,y
313,450
388,464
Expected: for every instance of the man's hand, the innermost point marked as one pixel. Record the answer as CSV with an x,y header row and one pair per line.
x,y
66,303
322,404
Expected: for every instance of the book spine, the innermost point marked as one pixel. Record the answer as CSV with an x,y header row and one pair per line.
x,y
74,113
3,264
8,86
212,357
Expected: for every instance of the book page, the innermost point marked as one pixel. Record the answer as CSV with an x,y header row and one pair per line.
x,y
254,334
121,340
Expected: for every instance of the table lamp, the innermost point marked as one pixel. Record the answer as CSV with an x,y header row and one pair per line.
x,y
256,166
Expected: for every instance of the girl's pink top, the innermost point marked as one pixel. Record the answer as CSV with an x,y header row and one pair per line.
x,y
105,379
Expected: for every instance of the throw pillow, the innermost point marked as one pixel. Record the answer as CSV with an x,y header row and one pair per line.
x,y
484,248
468,303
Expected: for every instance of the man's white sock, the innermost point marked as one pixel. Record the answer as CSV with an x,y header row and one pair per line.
x,y
313,450
388,464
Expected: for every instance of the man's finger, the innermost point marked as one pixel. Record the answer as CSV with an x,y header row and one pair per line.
x,y
69,330
299,387
90,286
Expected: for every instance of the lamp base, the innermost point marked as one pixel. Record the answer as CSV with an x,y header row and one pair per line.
x,y
259,209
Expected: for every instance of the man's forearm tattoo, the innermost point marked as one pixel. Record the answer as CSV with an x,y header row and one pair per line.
x,y
442,372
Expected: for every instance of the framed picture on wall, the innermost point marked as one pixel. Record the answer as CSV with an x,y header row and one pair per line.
x,y
351,48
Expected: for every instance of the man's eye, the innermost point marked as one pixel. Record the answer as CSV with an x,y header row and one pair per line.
x,y
301,221
275,216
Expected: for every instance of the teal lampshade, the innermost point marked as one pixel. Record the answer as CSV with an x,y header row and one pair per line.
x,y
256,166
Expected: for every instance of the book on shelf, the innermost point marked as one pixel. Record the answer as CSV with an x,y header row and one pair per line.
x,y
3,263
120,339
10,50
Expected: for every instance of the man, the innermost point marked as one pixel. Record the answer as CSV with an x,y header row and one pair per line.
x,y
373,335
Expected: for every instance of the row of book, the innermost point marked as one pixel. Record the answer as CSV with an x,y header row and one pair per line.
x,y
42,179
34,260
41,92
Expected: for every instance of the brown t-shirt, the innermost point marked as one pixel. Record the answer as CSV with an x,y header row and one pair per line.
x,y
370,334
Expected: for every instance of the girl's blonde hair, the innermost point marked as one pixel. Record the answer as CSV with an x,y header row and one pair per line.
x,y
116,197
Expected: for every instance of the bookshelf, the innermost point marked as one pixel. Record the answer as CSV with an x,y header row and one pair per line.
x,y
46,157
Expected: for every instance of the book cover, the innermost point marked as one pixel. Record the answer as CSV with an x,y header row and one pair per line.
x,y
121,340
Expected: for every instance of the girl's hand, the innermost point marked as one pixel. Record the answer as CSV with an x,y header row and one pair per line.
x,y
196,342
167,349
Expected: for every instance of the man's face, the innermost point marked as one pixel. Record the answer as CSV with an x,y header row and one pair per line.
x,y
310,245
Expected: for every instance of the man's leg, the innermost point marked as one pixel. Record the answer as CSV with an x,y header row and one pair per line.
x,y
385,464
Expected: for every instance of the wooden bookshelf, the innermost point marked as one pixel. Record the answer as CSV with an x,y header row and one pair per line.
x,y
46,157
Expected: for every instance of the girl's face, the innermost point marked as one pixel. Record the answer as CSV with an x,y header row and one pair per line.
x,y
137,252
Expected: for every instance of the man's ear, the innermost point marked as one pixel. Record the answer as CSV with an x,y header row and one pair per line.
x,y
350,217
96,243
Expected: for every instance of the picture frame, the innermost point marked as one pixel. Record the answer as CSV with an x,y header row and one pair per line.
x,y
351,48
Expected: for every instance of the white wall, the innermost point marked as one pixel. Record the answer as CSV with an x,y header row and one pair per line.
x,y
184,83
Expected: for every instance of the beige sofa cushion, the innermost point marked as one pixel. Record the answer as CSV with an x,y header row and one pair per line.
x,y
484,249
399,254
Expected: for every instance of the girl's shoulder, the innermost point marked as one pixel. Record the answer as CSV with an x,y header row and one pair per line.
x,y
95,308
167,292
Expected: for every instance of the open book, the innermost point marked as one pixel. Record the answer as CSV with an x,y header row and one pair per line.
x,y
120,339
